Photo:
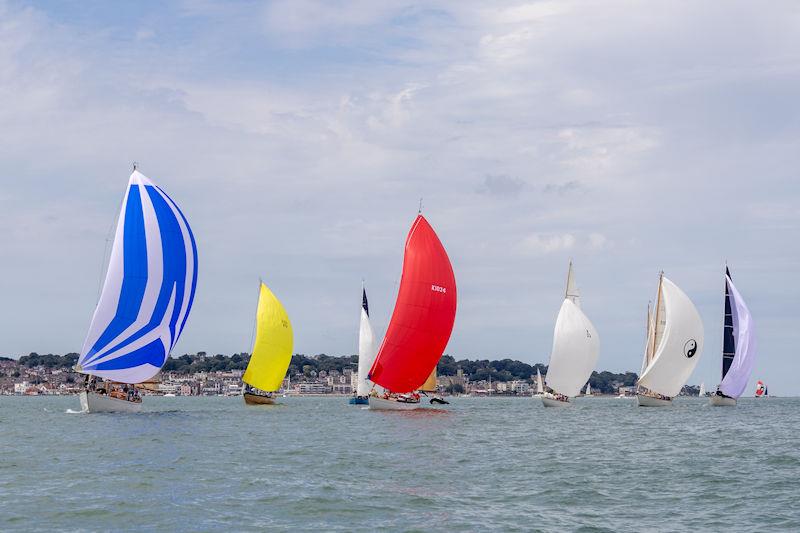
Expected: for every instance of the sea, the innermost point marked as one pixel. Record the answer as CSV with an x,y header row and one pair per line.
x,y
479,464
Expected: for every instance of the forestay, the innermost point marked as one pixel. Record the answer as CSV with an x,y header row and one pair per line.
x,y
148,290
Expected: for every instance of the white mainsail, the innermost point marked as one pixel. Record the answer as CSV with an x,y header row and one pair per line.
x,y
576,346
588,389
702,389
572,292
678,342
539,383
367,349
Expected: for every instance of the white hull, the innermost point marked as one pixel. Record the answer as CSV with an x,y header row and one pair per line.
x,y
649,401
722,401
391,405
552,402
91,402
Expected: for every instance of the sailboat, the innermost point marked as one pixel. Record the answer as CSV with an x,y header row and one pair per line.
x,y
588,389
366,353
576,346
146,299
702,389
738,347
272,350
421,322
674,345
539,383
761,389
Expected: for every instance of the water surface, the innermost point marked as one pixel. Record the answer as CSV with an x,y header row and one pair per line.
x,y
212,464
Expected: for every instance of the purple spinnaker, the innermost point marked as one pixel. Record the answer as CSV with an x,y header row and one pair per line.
x,y
735,381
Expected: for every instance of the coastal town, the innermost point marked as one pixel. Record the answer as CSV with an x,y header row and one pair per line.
x,y
204,375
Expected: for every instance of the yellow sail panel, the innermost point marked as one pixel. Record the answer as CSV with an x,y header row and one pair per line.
x,y
272,351
430,383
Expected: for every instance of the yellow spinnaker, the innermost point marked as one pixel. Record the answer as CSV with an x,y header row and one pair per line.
x,y
430,383
272,351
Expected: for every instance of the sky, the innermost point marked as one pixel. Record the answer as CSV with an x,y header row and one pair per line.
x,y
298,137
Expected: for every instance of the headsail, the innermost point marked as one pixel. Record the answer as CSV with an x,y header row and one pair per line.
x,y
742,330
539,383
572,292
576,345
680,345
423,316
272,351
366,348
430,383
148,291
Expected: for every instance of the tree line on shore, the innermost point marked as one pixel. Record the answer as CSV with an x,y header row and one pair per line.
x,y
308,366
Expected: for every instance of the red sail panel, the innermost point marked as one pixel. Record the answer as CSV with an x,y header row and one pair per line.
x,y
423,314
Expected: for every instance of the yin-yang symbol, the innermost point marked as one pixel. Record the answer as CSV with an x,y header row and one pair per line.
x,y
690,348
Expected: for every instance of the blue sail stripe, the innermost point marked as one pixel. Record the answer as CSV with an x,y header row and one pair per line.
x,y
194,265
134,279
174,273
152,353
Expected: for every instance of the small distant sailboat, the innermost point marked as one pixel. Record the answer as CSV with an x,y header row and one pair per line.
x,y
702,389
272,350
366,353
539,383
588,389
761,389
674,345
738,347
421,322
146,299
576,346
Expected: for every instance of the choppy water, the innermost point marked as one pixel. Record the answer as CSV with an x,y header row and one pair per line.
x,y
212,464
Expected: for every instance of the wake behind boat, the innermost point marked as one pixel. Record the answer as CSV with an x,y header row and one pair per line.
x,y
272,350
738,347
421,322
674,345
146,299
576,346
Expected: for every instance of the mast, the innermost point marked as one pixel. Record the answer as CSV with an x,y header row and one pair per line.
x,y
728,342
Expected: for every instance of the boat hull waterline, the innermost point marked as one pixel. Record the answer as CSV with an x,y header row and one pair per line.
x,y
552,402
382,404
722,401
92,402
257,399
357,400
649,401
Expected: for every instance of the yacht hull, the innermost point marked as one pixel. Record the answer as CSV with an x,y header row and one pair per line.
x,y
649,401
257,399
382,404
91,402
722,401
552,402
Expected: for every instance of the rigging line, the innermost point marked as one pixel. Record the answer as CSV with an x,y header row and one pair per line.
x,y
106,253
255,320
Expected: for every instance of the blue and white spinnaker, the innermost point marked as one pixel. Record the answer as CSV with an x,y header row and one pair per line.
x,y
148,290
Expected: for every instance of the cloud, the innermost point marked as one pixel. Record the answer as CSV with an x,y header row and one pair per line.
x,y
500,185
545,244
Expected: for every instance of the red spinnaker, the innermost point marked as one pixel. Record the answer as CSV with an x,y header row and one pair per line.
x,y
423,314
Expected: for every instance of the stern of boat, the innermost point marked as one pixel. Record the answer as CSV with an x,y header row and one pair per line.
x,y
722,401
383,404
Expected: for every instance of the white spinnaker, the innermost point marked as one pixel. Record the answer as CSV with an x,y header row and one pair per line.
x,y
681,343
576,346
735,381
367,350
